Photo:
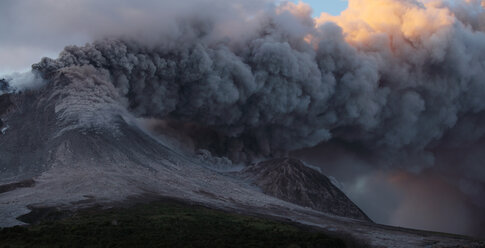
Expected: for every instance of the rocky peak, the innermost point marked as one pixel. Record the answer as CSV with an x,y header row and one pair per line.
x,y
290,180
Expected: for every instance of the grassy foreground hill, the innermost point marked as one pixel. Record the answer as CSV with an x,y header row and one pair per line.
x,y
165,224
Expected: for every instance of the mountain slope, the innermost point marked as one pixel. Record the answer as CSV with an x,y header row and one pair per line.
x,y
77,146
167,223
290,180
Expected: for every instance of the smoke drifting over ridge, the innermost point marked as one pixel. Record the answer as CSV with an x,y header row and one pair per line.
x,y
404,79
293,82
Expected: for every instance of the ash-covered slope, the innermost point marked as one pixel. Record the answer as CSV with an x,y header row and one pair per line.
x,y
75,122
5,103
26,134
290,180
81,147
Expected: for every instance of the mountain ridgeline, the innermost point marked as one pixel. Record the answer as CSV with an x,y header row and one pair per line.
x,y
76,123
72,144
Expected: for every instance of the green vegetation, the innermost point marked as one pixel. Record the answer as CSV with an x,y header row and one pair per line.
x,y
164,224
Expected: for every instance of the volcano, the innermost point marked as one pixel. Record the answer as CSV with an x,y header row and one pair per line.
x,y
71,145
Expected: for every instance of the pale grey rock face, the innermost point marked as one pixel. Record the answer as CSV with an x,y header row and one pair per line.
x,y
290,180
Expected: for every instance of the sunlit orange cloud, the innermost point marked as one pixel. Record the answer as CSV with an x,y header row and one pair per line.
x,y
406,20
482,2
300,9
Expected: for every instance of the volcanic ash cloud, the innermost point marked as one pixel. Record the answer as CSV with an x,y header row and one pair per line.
x,y
397,80
402,78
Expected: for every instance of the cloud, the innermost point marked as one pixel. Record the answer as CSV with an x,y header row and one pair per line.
x,y
399,79
55,24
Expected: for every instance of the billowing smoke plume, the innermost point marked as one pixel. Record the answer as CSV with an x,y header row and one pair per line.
x,y
403,80
16,82
398,81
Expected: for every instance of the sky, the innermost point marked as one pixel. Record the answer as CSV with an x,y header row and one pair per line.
x,y
27,35
26,47
333,7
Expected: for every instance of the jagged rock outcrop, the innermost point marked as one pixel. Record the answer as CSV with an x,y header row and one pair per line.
x,y
290,180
